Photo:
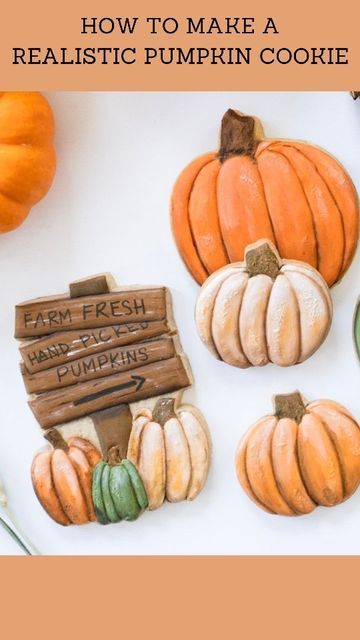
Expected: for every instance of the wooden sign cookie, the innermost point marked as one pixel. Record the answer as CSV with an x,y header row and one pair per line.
x,y
104,370
292,193
303,456
264,310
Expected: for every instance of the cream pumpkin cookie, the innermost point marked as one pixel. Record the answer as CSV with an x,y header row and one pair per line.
x,y
263,310
170,447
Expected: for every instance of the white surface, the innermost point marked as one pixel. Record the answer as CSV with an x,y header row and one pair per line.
x,y
118,157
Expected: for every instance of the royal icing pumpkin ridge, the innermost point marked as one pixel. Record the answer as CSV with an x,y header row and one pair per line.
x,y
263,310
305,455
96,363
292,193
27,155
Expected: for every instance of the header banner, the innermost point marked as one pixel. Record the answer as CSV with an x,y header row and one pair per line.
x,y
88,45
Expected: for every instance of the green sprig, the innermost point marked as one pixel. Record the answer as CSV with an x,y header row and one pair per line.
x,y
14,530
15,537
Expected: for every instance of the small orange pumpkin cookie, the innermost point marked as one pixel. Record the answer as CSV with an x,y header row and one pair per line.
x,y
62,479
303,456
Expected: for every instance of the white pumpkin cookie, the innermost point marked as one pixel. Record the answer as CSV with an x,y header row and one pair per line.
x,y
264,310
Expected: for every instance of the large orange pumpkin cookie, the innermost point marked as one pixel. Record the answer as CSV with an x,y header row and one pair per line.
x,y
292,193
303,456
27,156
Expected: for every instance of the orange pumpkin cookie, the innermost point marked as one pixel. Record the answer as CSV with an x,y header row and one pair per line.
x,y
62,479
27,156
264,310
303,456
292,193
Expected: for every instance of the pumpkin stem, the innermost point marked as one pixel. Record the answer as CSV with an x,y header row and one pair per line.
x,y
56,440
164,410
114,455
239,135
262,258
291,405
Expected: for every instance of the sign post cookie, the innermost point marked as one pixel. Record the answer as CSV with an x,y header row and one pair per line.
x,y
104,370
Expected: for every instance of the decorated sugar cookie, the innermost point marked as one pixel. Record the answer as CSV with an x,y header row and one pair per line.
x,y
292,193
303,456
27,154
62,476
105,371
171,438
264,310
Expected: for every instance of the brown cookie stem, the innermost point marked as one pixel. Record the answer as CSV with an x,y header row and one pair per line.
x,y
239,135
56,440
355,94
114,456
290,405
262,258
164,410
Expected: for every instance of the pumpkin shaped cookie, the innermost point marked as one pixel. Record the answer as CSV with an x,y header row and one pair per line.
x,y
303,456
292,193
263,310
171,450
118,491
62,479
27,156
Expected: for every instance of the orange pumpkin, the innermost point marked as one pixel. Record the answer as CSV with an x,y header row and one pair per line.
x,y
291,193
62,479
303,456
27,156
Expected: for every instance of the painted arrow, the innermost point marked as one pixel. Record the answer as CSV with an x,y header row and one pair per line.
x,y
136,381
